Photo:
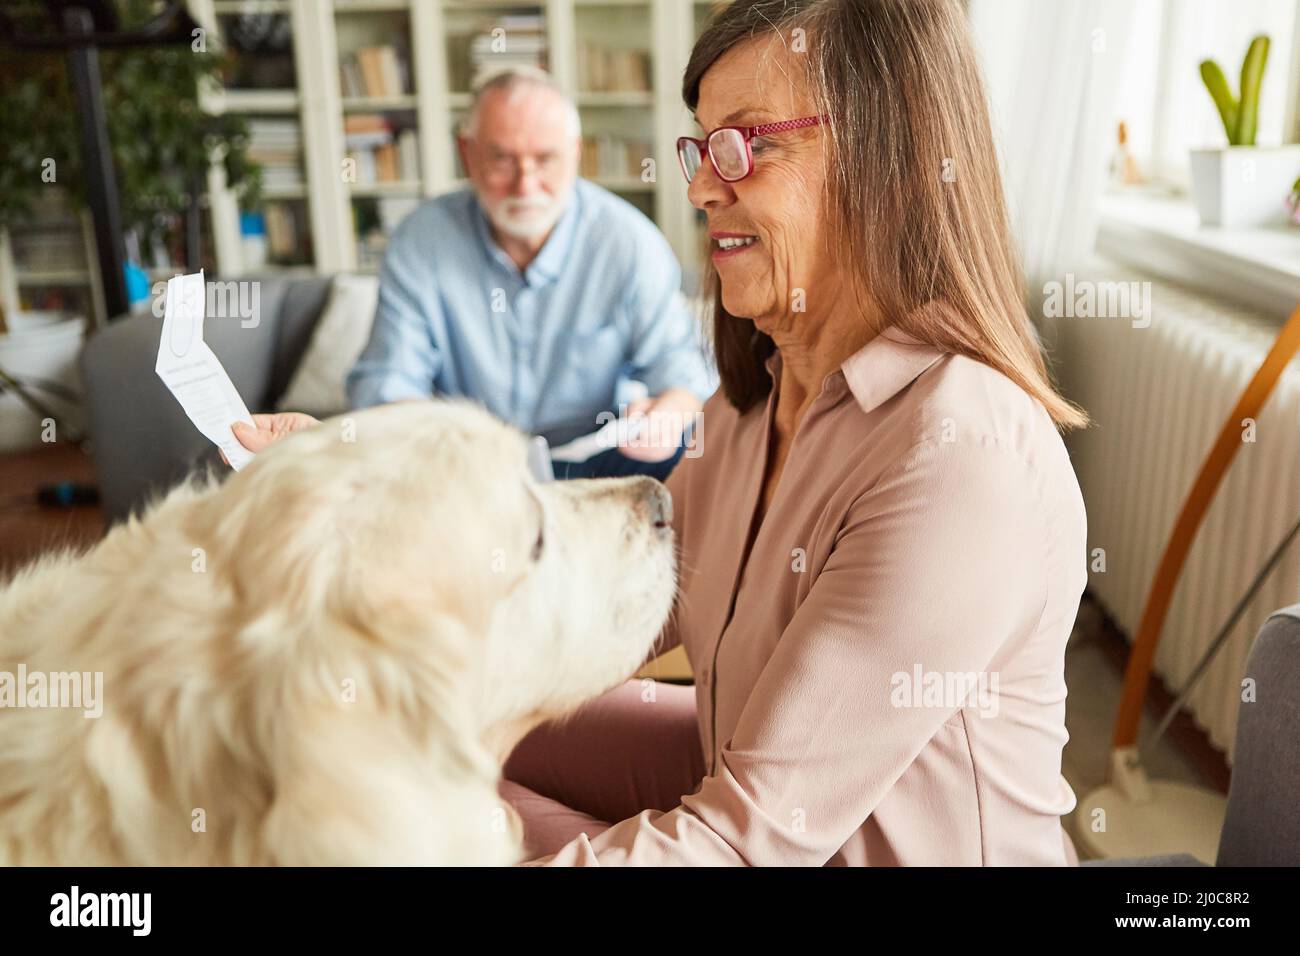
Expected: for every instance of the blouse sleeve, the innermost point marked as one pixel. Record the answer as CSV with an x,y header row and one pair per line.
x,y
938,565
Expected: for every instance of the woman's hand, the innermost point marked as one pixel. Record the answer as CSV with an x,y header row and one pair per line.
x,y
667,417
270,428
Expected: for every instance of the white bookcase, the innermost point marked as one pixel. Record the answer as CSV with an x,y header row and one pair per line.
x,y
331,202
66,280
308,95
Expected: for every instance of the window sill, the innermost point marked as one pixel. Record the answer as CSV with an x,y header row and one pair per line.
x,y
1258,268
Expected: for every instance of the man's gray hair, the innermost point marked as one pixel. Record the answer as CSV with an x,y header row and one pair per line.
x,y
508,78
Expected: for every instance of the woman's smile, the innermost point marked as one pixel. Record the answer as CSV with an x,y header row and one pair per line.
x,y
728,245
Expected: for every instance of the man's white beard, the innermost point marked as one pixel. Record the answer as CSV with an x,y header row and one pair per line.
x,y
528,218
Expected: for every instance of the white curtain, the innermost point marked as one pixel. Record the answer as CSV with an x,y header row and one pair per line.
x,y
1053,69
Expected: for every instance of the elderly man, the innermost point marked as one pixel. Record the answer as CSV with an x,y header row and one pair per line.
x,y
536,293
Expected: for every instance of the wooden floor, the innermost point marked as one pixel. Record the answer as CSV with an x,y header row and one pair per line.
x,y
26,527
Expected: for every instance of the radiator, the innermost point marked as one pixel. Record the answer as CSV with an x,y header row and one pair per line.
x,y
1158,396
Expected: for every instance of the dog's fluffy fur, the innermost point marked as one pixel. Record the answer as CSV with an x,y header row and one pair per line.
x,y
324,659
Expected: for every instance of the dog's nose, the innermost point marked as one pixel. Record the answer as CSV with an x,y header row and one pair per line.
x,y
658,504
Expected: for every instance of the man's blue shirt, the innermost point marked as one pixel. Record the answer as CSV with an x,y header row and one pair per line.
x,y
543,349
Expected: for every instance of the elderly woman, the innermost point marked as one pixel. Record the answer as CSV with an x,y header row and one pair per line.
x,y
883,542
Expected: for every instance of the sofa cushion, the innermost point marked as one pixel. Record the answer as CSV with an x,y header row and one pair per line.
x,y
299,309
317,386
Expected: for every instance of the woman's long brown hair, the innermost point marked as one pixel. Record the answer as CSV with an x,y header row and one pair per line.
x,y
914,192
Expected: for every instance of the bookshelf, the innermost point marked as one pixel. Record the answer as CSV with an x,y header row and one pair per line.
x,y
50,264
621,60
357,111
280,48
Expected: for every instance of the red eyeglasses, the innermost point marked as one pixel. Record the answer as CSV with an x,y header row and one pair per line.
x,y
728,148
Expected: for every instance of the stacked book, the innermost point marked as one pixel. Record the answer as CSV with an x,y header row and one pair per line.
x,y
52,247
613,157
276,146
509,41
604,69
375,71
380,153
287,237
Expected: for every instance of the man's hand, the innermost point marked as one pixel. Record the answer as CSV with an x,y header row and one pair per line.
x,y
667,415
270,428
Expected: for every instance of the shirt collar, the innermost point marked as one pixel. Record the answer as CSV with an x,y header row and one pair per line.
x,y
546,267
886,365
880,369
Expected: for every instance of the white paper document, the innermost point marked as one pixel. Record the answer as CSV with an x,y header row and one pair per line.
x,y
614,433
539,459
194,374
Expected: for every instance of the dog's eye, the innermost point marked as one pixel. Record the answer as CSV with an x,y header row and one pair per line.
x,y
539,544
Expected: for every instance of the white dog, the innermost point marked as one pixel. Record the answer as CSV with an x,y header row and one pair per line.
x,y
324,659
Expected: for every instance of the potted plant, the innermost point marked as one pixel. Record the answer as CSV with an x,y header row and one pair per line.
x,y
1242,185
163,144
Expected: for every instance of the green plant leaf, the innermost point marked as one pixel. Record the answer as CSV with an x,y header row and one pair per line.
x,y
1217,84
1252,78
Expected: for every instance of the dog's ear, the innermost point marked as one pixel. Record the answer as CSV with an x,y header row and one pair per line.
x,y
392,770
352,792
302,543
282,540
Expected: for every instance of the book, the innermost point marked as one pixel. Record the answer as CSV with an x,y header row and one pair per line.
x,y
372,71
386,170
408,149
604,69
375,71
613,157
276,145
390,72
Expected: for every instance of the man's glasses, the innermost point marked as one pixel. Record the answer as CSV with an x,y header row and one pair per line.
x,y
728,148
503,166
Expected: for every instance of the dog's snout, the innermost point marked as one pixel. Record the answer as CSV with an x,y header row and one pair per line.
x,y
659,504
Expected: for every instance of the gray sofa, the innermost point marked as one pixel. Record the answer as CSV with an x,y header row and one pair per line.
x,y
1262,826
143,443
1263,823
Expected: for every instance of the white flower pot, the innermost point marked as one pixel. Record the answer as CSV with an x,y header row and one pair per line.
x,y
39,345
1244,186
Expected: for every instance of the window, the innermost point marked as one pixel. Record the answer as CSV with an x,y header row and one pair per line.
x,y
1164,104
